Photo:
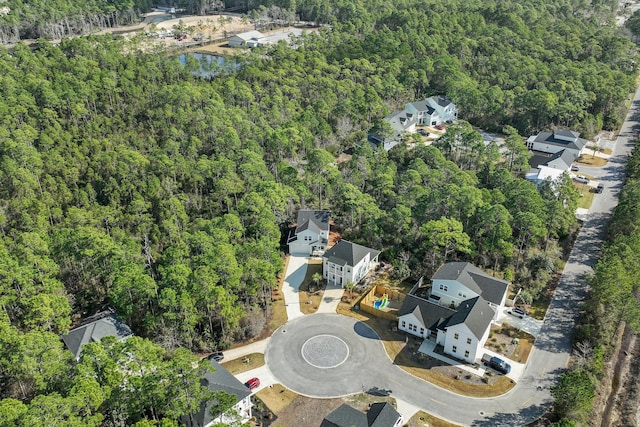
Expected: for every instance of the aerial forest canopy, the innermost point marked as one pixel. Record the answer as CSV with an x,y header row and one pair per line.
x,y
128,181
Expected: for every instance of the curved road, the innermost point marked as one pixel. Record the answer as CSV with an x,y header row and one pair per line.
x,y
367,364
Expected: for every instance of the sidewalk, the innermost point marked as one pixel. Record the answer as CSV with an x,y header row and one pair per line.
x,y
254,347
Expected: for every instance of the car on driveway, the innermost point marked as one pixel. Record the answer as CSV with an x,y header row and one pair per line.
x,y
600,188
497,364
575,168
518,312
253,383
439,127
423,132
581,179
375,391
216,355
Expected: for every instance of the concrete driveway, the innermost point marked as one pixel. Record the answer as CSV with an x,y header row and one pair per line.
x,y
296,270
527,324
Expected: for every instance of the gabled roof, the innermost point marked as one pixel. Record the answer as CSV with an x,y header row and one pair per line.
x,y
219,379
560,138
473,278
250,35
381,414
429,314
441,100
399,120
345,416
94,329
475,313
423,105
565,156
348,253
315,221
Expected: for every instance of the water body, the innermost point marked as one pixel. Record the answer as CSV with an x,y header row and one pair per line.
x,y
162,18
209,65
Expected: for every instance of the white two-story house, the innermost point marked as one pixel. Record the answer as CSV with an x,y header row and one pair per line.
x,y
311,233
431,111
458,310
219,379
347,262
558,140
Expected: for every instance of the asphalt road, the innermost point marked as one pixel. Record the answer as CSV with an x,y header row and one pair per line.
x,y
367,365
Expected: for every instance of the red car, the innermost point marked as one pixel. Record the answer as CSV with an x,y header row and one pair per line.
x,y
252,383
439,127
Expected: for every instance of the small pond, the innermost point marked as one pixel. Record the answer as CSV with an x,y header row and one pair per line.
x,y
162,18
210,65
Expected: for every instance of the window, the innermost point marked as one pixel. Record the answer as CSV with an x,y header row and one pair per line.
x,y
421,331
404,324
455,336
466,353
468,340
443,287
454,349
415,328
460,294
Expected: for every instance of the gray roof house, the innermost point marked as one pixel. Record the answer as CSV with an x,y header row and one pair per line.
x,y
551,168
552,142
431,111
95,328
311,233
219,379
457,311
348,262
380,414
247,39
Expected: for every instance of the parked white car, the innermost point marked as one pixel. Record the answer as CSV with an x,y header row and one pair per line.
x,y
581,179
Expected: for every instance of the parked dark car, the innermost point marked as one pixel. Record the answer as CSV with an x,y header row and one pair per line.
x,y
518,312
216,355
600,188
498,364
423,132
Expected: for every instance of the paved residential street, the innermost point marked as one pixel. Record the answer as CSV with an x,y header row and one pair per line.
x,y
328,355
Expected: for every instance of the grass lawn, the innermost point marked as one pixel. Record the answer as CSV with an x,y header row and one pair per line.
x,y
244,364
313,266
589,160
278,308
586,195
277,398
421,419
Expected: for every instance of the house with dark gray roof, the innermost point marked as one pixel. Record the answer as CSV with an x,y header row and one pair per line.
x,y
380,414
552,168
219,379
310,235
457,311
93,329
558,140
348,262
431,111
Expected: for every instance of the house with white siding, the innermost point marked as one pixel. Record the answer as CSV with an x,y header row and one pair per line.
x,y
431,111
220,379
311,233
457,311
558,140
348,262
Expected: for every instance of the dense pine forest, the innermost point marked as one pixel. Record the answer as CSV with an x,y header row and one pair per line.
x,y
126,181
